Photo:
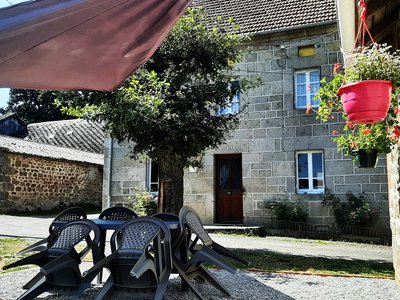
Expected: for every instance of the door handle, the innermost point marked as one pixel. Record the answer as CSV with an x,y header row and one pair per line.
x,y
229,193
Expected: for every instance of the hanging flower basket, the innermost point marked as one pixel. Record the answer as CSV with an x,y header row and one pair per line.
x,y
365,159
366,102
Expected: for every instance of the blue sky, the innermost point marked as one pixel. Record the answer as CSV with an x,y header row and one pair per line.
x,y
4,92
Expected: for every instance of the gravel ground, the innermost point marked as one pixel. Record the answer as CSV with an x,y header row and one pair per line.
x,y
247,285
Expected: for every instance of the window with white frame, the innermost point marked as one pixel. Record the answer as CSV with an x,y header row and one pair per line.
x,y
152,177
306,84
232,107
310,172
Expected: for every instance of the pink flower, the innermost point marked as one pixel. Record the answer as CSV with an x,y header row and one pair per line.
x,y
334,132
350,125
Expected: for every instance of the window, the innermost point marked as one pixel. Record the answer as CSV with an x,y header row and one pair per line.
x,y
152,177
306,85
310,172
232,107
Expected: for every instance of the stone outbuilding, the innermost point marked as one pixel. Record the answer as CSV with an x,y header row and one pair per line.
x,y
35,176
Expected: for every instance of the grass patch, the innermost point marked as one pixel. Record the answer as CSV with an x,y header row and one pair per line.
x,y
8,248
278,262
268,261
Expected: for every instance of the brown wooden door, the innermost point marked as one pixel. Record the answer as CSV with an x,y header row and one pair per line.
x,y
229,189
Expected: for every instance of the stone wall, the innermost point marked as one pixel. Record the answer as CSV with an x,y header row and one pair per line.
x,y
394,204
123,176
32,183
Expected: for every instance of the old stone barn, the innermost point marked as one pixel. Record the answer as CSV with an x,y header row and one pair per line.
x,y
35,176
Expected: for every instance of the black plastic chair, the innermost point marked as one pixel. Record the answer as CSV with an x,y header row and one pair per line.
x,y
118,213
67,215
59,263
206,251
140,261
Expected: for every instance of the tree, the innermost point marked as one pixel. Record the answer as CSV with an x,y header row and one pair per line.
x,y
34,105
169,108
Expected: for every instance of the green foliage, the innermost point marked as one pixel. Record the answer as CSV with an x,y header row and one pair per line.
x,y
356,212
145,204
167,110
34,106
378,63
290,211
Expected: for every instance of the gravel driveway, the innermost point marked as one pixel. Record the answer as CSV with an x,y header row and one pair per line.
x,y
249,286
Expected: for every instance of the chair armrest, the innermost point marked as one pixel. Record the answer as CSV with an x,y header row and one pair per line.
x,y
142,265
38,246
58,264
30,260
100,265
223,251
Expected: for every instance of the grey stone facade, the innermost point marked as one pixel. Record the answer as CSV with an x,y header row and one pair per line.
x,y
270,132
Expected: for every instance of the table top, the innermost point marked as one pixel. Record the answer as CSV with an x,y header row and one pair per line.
x,y
106,224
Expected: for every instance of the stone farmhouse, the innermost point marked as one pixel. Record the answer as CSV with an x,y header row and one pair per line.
x,y
57,164
278,152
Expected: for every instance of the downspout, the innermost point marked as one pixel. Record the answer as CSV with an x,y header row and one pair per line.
x,y
110,172
345,10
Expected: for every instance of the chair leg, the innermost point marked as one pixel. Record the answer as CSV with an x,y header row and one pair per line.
x,y
187,280
33,281
37,289
212,280
107,289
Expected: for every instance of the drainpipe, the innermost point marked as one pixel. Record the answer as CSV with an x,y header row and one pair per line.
x,y
110,156
345,10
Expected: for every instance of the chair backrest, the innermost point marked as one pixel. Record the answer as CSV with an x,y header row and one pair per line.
x,y
188,217
166,216
68,215
68,236
131,241
118,213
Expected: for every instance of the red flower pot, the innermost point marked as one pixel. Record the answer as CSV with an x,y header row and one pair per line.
x,y
366,102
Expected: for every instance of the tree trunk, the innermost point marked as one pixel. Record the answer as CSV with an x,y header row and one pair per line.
x,y
171,185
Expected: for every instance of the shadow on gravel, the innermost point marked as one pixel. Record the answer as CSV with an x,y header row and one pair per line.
x,y
246,286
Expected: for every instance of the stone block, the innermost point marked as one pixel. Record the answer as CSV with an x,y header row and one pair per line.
x,y
320,130
356,179
262,107
265,55
272,189
263,67
339,179
303,131
260,133
240,135
271,122
343,189
249,124
250,57
255,115
277,87
339,167
261,166
261,145
251,67
273,133
379,178
203,186
291,121
274,156
276,181
255,185
282,168
252,158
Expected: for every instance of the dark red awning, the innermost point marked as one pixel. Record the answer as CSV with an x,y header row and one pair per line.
x,y
81,44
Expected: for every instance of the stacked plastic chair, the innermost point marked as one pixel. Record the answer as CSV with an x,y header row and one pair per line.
x,y
67,215
59,262
140,260
207,251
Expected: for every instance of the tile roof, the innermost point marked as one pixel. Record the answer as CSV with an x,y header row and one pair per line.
x,y
77,134
258,16
15,145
